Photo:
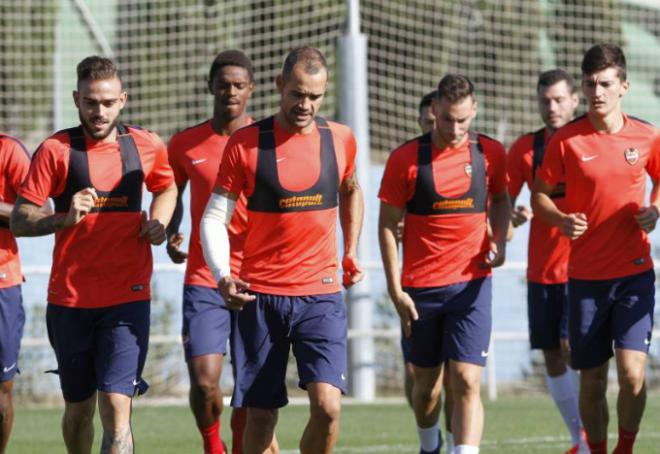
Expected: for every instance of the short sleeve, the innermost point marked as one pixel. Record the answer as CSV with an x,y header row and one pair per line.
x,y
350,145
47,173
160,177
394,184
231,174
515,164
174,156
497,177
653,163
16,163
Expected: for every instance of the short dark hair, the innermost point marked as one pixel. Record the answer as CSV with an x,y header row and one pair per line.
x,y
426,100
231,58
554,76
312,59
455,88
603,56
95,67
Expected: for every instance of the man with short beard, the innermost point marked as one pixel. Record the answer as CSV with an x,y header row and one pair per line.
x,y
195,154
297,171
99,290
547,288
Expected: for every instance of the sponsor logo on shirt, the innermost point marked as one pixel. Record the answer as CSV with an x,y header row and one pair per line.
x,y
112,202
454,204
301,201
631,155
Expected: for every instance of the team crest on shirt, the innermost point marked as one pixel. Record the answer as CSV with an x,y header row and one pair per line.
x,y
631,155
468,170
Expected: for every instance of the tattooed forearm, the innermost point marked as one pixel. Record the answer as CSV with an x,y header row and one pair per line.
x,y
118,442
28,219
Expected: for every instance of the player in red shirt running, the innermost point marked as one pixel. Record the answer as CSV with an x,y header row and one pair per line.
x,y
447,183
604,158
547,297
195,155
99,289
14,164
297,172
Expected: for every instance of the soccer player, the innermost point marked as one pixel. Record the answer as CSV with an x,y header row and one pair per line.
x,y
547,303
604,158
426,119
297,170
14,164
99,289
195,155
448,183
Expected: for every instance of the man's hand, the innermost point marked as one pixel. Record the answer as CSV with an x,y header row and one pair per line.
x,y
82,203
495,255
520,215
174,243
152,229
352,272
647,217
574,225
234,292
405,306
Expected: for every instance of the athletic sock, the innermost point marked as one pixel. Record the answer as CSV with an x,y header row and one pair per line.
x,y
626,441
429,438
598,448
466,449
450,443
562,392
238,420
211,438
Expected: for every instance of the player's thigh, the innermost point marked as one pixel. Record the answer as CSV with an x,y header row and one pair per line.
x,y
12,322
206,322
590,310
71,334
121,344
318,335
425,346
260,352
468,325
545,310
632,312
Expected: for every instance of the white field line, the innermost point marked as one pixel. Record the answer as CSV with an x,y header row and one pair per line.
x,y
539,443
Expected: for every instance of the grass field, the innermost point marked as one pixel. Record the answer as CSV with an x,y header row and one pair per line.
x,y
513,425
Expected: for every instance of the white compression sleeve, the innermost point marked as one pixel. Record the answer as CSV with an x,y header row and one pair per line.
x,y
213,231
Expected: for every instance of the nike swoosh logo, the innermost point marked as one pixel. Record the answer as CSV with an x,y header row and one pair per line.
x,y
136,382
7,369
280,159
198,161
588,158
646,341
484,354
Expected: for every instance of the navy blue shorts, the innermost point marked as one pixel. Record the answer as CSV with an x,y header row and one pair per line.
x,y
454,323
206,321
547,311
100,349
612,312
12,321
314,326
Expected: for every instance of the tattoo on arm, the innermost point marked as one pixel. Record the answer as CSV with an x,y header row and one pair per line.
x,y
28,219
120,442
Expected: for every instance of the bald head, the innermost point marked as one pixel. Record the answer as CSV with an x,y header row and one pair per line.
x,y
309,58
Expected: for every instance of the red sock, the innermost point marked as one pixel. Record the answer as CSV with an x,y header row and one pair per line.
x,y
598,448
626,441
238,420
211,438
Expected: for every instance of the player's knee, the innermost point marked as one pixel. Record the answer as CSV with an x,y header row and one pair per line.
x,y
631,381
206,386
466,382
325,411
593,386
5,398
262,419
78,416
426,393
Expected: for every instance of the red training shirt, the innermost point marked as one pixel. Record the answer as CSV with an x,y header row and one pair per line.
x,y
14,165
548,249
101,261
195,154
440,250
605,177
294,253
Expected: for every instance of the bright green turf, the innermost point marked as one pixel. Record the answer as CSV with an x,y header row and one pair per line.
x,y
513,425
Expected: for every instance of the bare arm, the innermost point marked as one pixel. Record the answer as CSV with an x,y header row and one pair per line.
x,y
499,215
174,237
29,219
647,217
388,220
572,225
160,213
351,215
